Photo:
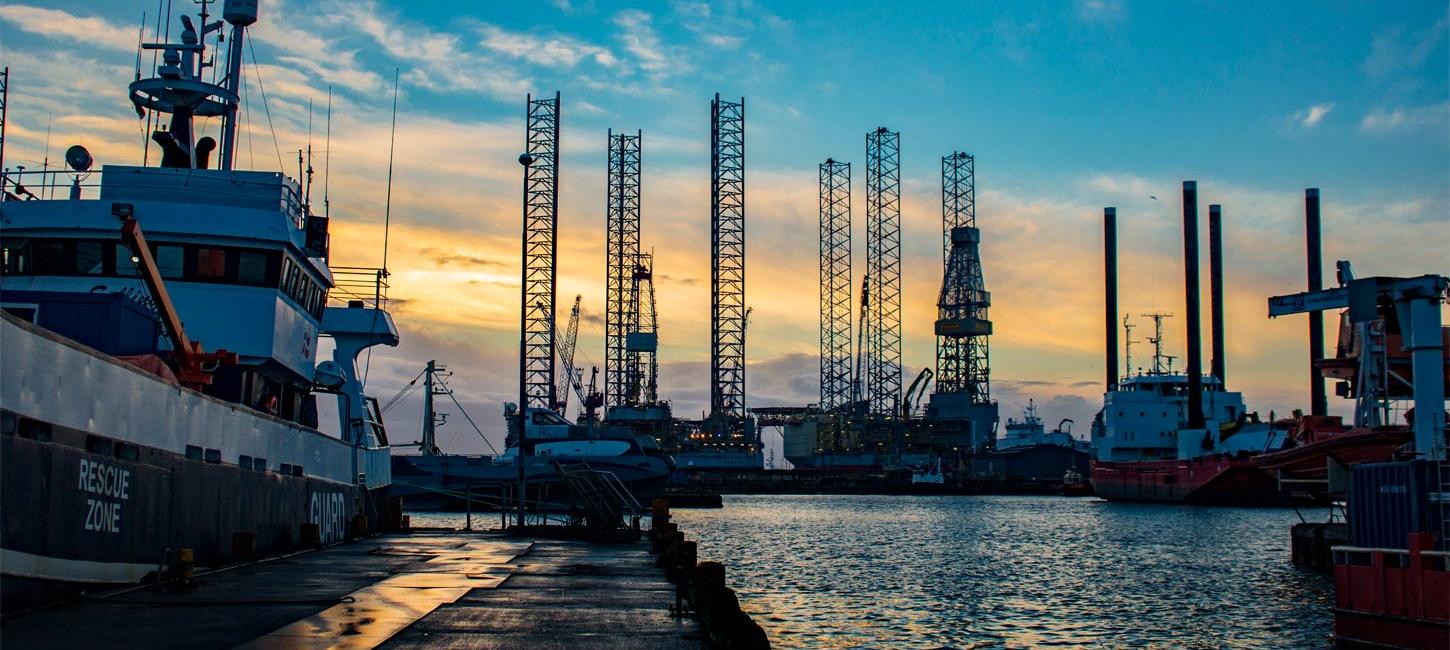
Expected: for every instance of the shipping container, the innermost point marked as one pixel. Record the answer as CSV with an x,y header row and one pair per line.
x,y
1388,501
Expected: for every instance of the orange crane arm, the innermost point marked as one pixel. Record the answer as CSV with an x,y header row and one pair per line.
x,y
191,360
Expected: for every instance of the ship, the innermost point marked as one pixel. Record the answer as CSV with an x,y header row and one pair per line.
x,y
1029,432
1183,437
163,403
630,460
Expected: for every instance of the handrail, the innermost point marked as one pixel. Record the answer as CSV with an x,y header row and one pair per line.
x,y
367,284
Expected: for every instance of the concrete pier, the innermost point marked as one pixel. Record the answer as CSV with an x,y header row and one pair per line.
x,y
423,589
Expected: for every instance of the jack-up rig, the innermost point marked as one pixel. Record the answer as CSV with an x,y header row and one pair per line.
x,y
863,421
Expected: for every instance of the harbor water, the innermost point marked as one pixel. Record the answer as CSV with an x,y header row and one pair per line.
x,y
1013,572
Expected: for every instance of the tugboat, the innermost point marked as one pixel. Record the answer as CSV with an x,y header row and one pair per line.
x,y
127,449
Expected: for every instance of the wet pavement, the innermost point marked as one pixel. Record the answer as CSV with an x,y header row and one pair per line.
x,y
431,589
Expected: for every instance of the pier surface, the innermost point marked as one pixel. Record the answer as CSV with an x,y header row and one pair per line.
x,y
423,589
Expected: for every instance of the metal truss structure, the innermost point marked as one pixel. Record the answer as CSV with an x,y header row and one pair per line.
x,y
622,208
883,272
835,186
644,339
727,258
962,361
541,203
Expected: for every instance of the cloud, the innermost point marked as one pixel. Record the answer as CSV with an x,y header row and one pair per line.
x,y
723,41
1311,116
1013,37
640,39
553,51
1100,11
1409,118
438,61
1393,50
55,23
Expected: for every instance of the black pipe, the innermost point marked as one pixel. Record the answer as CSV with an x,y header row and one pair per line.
x,y
1110,286
1190,282
1318,402
1215,288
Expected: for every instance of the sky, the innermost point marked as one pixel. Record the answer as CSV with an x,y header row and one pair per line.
x,y
1067,106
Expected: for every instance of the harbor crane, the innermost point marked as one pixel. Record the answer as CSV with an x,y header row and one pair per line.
x,y
570,380
1416,308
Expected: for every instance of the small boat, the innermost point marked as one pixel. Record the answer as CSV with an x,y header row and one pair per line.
x,y
931,475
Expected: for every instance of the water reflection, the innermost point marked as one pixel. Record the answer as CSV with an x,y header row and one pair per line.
x,y
1013,572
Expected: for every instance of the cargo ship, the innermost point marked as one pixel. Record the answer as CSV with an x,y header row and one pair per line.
x,y
1182,437
163,399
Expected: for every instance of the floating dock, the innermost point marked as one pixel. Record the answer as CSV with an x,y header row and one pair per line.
x,y
444,589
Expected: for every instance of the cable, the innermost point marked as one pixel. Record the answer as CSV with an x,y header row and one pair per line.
x,y
466,417
401,392
265,106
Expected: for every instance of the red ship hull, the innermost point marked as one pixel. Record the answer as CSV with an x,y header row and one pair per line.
x,y
1296,474
1208,480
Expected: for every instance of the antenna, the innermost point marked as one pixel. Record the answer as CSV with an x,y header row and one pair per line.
x,y
1128,343
307,193
388,202
1157,341
45,163
327,155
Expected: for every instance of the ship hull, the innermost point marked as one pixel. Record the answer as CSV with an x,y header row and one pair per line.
x,y
1213,481
75,520
1295,475
107,473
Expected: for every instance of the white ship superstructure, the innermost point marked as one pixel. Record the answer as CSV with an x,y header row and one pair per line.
x,y
107,371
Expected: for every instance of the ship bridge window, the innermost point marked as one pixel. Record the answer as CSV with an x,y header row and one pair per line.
x,y
89,258
302,289
211,263
170,261
252,268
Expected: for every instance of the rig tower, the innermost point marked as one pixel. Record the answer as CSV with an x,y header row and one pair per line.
x,y
963,327
621,366
882,324
541,204
835,185
963,390
727,259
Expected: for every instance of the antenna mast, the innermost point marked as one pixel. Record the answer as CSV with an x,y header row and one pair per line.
x,y
1157,340
240,14
1128,344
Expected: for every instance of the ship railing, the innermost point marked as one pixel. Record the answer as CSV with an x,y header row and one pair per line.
x,y
350,283
21,184
58,183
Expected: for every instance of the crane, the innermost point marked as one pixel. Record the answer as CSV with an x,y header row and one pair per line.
x,y
861,342
569,379
194,364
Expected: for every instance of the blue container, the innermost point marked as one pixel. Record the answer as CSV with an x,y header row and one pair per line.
x,y
1388,501
112,323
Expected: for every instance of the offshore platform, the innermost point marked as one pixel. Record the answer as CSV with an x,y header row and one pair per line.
x,y
632,408
864,421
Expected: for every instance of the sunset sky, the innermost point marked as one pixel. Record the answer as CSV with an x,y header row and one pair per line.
x,y
1067,106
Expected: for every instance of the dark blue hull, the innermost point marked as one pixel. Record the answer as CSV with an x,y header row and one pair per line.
x,y
85,512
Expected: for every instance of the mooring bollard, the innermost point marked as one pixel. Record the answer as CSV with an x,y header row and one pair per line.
x,y
185,566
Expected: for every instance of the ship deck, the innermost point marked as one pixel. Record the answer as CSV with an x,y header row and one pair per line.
x,y
448,589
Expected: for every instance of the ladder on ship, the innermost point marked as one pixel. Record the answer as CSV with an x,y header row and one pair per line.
x,y
604,505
